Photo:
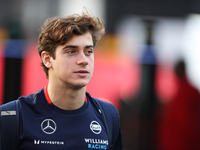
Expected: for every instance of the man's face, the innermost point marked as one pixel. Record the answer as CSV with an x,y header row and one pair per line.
x,y
74,62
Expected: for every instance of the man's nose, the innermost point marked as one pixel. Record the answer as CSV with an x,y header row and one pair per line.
x,y
82,59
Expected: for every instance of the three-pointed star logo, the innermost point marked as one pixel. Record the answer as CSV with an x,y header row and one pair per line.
x,y
48,126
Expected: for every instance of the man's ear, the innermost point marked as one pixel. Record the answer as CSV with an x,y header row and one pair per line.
x,y
46,59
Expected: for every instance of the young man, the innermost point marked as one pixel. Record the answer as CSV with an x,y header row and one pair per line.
x,y
63,116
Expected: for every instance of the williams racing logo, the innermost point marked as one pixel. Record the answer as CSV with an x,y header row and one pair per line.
x,y
96,143
95,127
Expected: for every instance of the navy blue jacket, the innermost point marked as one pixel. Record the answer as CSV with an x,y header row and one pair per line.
x,y
45,126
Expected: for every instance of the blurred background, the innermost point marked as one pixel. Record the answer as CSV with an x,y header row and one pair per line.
x,y
147,64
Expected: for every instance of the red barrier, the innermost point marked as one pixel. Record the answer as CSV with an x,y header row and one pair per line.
x,y
33,76
112,78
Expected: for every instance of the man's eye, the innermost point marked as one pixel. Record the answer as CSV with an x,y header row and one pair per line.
x,y
89,51
71,52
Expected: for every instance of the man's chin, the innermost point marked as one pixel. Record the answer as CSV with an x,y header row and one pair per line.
x,y
78,86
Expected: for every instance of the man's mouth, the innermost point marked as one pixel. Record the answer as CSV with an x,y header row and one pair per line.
x,y
82,73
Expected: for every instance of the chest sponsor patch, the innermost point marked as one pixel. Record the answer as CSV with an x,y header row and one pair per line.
x,y
38,142
95,127
48,126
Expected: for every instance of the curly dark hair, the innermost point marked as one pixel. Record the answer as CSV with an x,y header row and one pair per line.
x,y
57,31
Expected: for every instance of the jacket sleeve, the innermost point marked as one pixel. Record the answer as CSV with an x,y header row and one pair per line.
x,y
118,144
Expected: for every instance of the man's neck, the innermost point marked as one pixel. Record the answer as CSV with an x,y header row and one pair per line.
x,y
66,98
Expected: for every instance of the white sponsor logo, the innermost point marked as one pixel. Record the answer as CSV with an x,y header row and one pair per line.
x,y
95,127
36,141
96,141
48,126
48,142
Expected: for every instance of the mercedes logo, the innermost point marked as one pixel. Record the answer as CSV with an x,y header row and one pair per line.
x,y
48,126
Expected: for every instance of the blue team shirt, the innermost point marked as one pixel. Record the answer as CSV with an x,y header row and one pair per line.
x,y
44,126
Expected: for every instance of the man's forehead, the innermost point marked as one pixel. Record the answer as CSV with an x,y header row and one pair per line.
x,y
80,39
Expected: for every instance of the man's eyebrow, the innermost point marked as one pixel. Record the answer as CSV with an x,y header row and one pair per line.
x,y
74,46
89,46
70,46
